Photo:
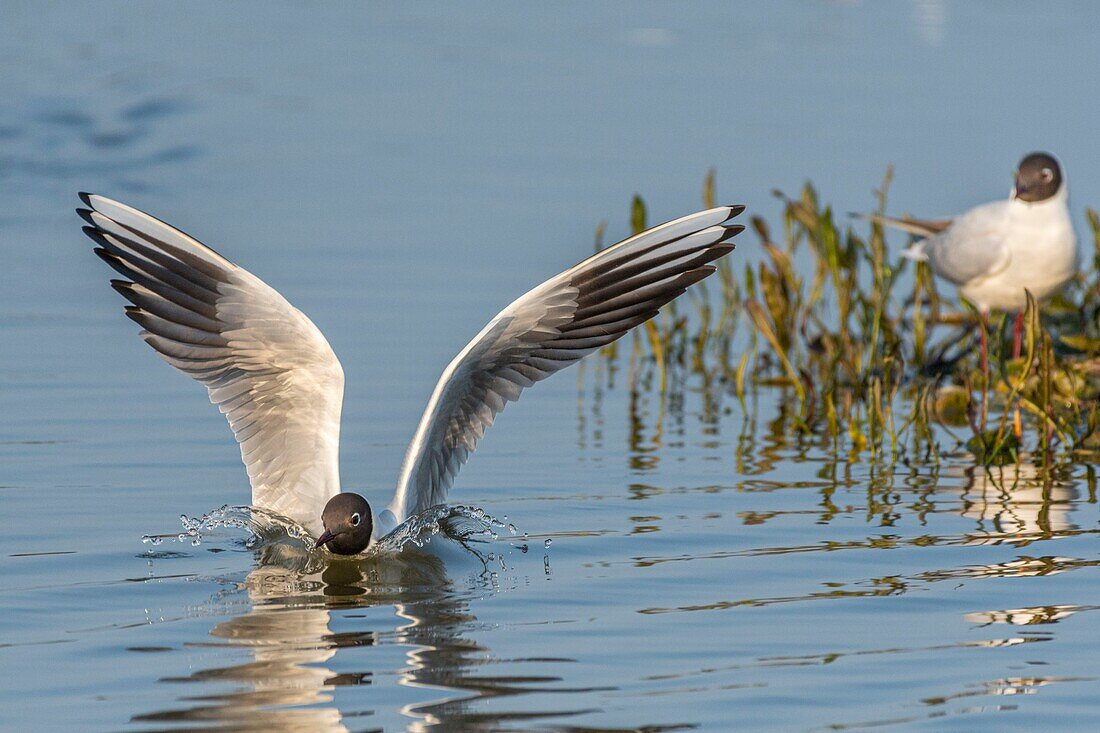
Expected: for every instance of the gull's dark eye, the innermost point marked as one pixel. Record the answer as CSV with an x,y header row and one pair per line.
x,y
356,519
1047,174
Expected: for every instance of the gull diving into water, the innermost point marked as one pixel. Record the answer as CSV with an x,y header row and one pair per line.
x,y
996,251
281,387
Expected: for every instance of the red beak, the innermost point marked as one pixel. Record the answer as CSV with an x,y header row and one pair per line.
x,y
324,539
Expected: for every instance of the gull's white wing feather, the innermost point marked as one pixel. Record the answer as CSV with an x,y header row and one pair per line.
x,y
266,366
546,330
973,247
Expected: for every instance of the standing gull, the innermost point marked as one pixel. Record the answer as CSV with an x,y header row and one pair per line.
x,y
996,251
281,387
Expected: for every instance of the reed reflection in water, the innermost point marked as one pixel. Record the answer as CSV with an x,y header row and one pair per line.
x,y
1018,504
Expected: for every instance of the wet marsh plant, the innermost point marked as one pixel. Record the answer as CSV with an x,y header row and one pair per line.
x,y
865,351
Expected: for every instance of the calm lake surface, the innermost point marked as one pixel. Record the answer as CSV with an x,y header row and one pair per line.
x,y
401,173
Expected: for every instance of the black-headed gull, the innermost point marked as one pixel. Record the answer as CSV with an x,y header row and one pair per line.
x,y
279,384
996,251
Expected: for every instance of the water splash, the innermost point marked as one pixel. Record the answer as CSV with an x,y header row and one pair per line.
x,y
263,527
458,522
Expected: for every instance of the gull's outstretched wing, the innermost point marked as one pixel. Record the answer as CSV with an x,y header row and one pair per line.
x,y
546,330
265,364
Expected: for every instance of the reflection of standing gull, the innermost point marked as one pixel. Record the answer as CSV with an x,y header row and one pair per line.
x,y
273,374
1016,502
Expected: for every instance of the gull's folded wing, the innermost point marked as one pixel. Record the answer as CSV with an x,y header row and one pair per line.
x,y
545,331
265,365
973,247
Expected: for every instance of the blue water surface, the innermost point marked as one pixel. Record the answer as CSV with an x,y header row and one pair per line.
x,y
400,172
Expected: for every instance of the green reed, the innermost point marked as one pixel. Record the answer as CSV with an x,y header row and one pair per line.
x,y
871,360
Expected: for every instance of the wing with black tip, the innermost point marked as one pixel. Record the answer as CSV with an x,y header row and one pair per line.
x,y
263,362
551,327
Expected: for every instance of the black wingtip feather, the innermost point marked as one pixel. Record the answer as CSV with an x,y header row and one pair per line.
x,y
135,314
86,198
96,235
93,234
731,231
112,261
720,250
691,277
735,210
86,215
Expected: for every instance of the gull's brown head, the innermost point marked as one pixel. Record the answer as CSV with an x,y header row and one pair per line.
x,y
1038,178
348,524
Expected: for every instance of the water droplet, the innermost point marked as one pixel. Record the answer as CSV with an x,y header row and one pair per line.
x,y
548,543
512,529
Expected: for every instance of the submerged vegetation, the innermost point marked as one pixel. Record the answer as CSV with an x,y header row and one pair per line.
x,y
863,351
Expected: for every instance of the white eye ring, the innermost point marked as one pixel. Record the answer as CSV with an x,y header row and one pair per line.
x,y
1048,174
356,519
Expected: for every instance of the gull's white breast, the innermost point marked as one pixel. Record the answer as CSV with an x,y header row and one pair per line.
x,y
1042,255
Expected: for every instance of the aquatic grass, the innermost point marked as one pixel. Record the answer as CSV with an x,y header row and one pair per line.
x,y
864,351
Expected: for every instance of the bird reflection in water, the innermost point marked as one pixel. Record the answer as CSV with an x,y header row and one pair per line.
x,y
294,598
288,684
1016,503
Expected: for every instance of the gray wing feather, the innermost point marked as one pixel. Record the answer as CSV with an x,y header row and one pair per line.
x,y
973,247
549,328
